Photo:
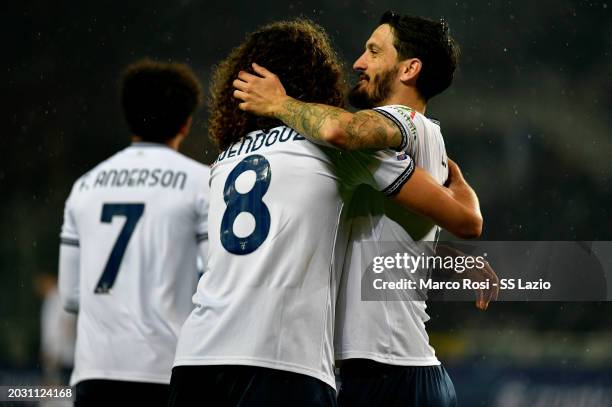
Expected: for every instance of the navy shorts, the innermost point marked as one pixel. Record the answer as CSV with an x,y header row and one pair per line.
x,y
92,393
371,384
246,386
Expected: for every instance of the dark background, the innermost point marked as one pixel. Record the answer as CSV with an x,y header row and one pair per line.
x,y
527,118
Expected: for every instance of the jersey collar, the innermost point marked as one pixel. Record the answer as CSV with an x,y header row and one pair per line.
x,y
148,144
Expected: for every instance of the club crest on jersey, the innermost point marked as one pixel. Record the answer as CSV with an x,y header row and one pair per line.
x,y
404,110
401,156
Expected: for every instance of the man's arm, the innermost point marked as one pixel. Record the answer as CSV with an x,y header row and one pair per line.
x,y
203,251
265,95
201,208
455,208
69,261
69,276
68,283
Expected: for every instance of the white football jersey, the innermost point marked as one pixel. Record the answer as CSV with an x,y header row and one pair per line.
x,y
267,298
391,331
130,243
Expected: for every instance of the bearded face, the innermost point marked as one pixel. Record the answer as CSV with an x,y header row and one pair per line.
x,y
370,92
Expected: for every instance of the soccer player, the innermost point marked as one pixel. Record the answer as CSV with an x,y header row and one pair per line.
x,y
261,332
133,229
384,345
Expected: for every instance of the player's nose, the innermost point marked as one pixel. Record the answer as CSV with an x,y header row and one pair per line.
x,y
360,63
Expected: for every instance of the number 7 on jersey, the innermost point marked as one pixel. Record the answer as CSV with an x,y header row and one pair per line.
x,y
132,213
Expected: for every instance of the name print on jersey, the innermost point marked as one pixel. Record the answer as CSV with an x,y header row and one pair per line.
x,y
254,141
141,177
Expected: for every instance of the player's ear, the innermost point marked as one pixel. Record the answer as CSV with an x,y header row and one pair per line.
x,y
186,127
409,69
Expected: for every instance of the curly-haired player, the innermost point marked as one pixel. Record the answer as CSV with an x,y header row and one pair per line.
x,y
261,333
387,359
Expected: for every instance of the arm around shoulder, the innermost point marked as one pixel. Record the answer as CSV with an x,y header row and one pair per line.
x,y
455,208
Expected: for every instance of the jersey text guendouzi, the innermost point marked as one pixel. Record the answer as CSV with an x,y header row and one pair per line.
x,y
254,142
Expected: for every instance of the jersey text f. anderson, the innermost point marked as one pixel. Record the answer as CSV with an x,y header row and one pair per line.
x,y
141,177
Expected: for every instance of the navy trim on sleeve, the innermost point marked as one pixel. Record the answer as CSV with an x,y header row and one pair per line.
x,y
69,242
395,187
389,116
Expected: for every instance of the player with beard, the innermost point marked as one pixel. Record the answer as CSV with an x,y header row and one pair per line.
x,y
384,345
262,330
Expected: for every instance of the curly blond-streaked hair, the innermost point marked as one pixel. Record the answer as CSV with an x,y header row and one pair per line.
x,y
299,52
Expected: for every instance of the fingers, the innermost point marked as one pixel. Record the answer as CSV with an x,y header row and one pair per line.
x,y
240,85
480,302
453,169
492,295
486,298
495,291
247,77
238,94
261,70
494,282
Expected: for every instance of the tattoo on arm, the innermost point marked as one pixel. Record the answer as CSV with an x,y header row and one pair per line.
x,y
364,129
308,118
368,129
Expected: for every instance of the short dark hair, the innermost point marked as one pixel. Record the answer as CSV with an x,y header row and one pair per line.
x,y
429,41
158,98
299,52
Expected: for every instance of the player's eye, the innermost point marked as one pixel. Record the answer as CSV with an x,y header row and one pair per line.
x,y
372,49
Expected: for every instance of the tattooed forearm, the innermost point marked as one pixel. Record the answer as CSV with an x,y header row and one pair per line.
x,y
352,131
309,119
368,129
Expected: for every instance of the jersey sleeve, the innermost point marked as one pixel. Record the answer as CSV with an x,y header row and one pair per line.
x,y
69,277
389,170
69,260
201,209
202,218
404,119
69,234
384,170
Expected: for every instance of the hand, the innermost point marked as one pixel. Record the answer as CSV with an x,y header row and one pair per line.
x,y
484,296
454,174
262,94
474,274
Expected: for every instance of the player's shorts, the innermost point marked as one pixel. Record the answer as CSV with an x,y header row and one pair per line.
x,y
119,393
246,386
371,384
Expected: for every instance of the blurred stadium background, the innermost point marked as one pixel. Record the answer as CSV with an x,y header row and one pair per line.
x,y
528,119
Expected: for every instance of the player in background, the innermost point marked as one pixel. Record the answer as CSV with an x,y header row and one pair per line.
x,y
133,229
57,333
407,60
261,333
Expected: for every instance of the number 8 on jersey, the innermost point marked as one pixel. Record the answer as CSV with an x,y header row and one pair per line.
x,y
250,202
